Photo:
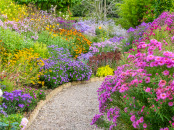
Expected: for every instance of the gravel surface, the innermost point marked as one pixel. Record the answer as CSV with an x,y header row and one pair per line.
x,y
71,109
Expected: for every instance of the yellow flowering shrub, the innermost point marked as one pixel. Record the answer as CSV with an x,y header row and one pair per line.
x,y
26,64
104,71
13,11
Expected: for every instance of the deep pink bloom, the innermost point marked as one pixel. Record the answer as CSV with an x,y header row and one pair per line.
x,y
144,125
166,72
141,119
166,128
166,53
133,118
150,57
170,104
162,83
157,58
161,62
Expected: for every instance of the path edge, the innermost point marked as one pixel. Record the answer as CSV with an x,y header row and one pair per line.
x,y
41,103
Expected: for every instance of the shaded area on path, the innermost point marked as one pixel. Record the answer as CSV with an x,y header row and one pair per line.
x,y
71,109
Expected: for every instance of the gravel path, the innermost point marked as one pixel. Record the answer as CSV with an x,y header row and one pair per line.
x,y
71,109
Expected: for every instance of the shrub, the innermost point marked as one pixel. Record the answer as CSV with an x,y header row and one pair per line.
x,y
16,101
13,11
12,40
61,68
131,12
104,71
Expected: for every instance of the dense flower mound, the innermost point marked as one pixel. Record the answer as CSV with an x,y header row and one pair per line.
x,y
143,89
89,27
61,68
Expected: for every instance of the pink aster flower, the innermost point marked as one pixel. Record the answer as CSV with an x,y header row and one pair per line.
x,y
150,57
144,125
162,83
134,124
153,41
166,72
157,58
166,128
147,89
133,118
163,95
166,53
170,104
161,62
122,89
141,120
144,46
147,79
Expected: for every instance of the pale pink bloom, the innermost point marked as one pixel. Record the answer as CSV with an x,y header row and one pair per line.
x,y
166,72
163,95
24,123
147,79
170,104
1,93
133,118
147,89
144,125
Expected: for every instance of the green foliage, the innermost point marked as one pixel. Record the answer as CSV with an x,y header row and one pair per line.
x,y
41,49
156,7
131,12
11,122
62,5
6,85
13,40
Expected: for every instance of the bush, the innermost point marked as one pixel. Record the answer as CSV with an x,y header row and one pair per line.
x,y
131,12
13,11
61,68
16,101
104,71
12,40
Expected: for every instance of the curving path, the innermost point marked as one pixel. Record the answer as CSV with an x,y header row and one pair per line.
x,y
71,109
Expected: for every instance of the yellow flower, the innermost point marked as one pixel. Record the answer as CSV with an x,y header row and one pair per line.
x,y
99,27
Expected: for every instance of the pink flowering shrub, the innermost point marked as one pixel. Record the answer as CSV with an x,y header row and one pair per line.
x,y
140,94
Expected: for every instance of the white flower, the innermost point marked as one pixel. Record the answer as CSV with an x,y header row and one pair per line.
x,y
24,123
1,93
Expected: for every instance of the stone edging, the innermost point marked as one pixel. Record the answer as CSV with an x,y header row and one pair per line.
x,y
40,104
